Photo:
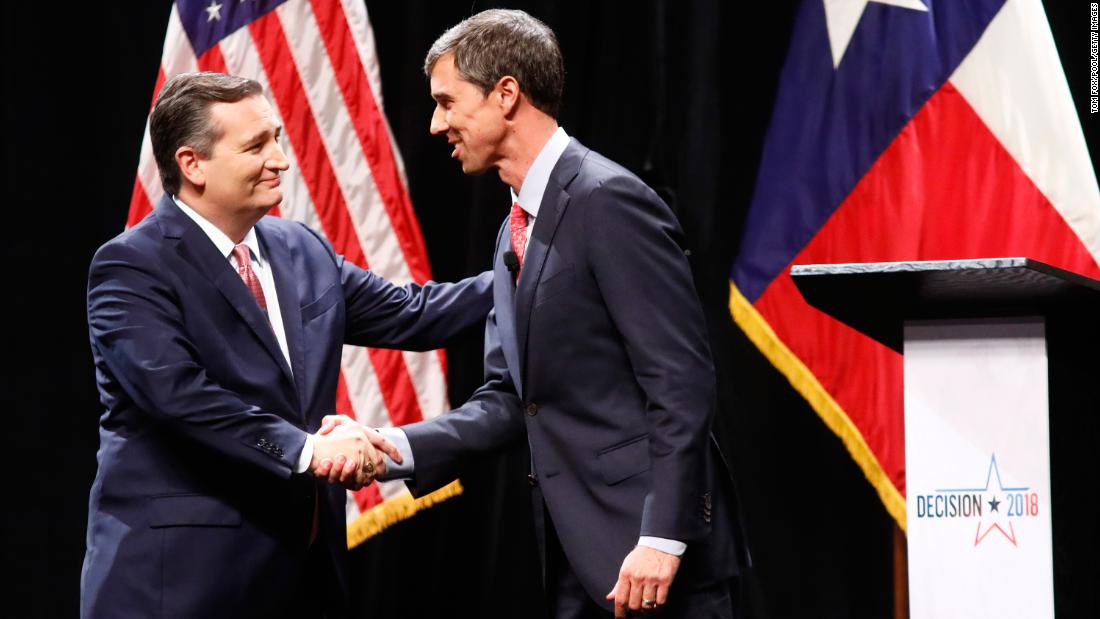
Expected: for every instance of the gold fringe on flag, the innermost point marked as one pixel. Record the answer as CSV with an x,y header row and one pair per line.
x,y
803,380
390,512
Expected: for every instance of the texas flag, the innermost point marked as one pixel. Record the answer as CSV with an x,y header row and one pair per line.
x,y
905,130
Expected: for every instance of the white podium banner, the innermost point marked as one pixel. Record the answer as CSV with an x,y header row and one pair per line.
x,y
977,459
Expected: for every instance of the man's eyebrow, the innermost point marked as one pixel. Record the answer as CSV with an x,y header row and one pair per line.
x,y
263,133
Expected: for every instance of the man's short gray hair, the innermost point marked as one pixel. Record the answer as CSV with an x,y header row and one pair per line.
x,y
500,42
181,117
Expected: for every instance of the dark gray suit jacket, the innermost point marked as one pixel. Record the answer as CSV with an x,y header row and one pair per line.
x,y
600,356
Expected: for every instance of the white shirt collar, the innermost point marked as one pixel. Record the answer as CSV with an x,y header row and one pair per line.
x,y
534,185
220,239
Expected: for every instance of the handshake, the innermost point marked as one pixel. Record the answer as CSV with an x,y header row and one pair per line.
x,y
348,453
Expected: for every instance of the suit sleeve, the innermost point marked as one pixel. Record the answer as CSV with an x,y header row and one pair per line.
x,y
491,419
412,317
137,327
635,252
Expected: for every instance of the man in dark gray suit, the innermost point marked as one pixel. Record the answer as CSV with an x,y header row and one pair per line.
x,y
596,349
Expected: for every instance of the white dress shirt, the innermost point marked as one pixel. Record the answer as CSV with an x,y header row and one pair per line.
x,y
529,199
262,269
534,184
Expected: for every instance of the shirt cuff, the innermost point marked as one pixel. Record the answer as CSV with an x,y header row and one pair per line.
x,y
399,440
668,546
306,457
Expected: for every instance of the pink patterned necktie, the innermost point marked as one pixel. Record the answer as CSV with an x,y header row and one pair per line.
x,y
244,268
517,222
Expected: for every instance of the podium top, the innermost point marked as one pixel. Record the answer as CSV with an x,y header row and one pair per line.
x,y
877,297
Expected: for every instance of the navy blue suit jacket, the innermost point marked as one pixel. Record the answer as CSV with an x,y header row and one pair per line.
x,y
195,511
600,356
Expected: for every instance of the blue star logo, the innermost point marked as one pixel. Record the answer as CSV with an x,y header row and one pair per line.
x,y
993,471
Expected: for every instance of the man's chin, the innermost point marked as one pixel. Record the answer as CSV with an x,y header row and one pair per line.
x,y
271,199
472,169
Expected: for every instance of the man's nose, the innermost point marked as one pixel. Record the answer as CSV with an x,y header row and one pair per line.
x,y
439,122
278,160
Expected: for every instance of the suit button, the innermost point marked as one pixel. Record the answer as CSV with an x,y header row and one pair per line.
x,y
532,409
532,479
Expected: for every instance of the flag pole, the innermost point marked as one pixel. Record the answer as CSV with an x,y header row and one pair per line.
x,y
901,573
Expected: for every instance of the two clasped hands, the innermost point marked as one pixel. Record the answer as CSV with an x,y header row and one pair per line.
x,y
348,453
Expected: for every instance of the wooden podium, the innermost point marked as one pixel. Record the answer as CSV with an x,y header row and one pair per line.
x,y
1002,423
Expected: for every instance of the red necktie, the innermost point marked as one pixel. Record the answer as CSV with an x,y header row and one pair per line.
x,y
244,268
517,222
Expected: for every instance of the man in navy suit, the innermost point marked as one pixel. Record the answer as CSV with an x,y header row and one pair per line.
x,y
596,349
217,334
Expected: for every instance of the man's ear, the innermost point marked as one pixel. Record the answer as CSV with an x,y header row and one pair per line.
x,y
188,160
507,89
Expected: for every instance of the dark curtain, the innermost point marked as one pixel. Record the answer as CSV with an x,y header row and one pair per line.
x,y
679,92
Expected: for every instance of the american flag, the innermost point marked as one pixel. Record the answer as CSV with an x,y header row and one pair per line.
x,y
317,63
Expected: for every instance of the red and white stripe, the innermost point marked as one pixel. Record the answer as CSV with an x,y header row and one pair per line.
x,y
317,64
1014,81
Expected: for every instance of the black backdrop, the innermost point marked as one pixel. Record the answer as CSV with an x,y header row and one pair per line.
x,y
679,92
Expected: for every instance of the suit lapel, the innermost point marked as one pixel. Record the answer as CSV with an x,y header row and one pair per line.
x,y
504,300
554,202
542,235
196,249
282,272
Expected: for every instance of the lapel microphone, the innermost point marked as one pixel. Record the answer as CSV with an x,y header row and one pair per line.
x,y
511,260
